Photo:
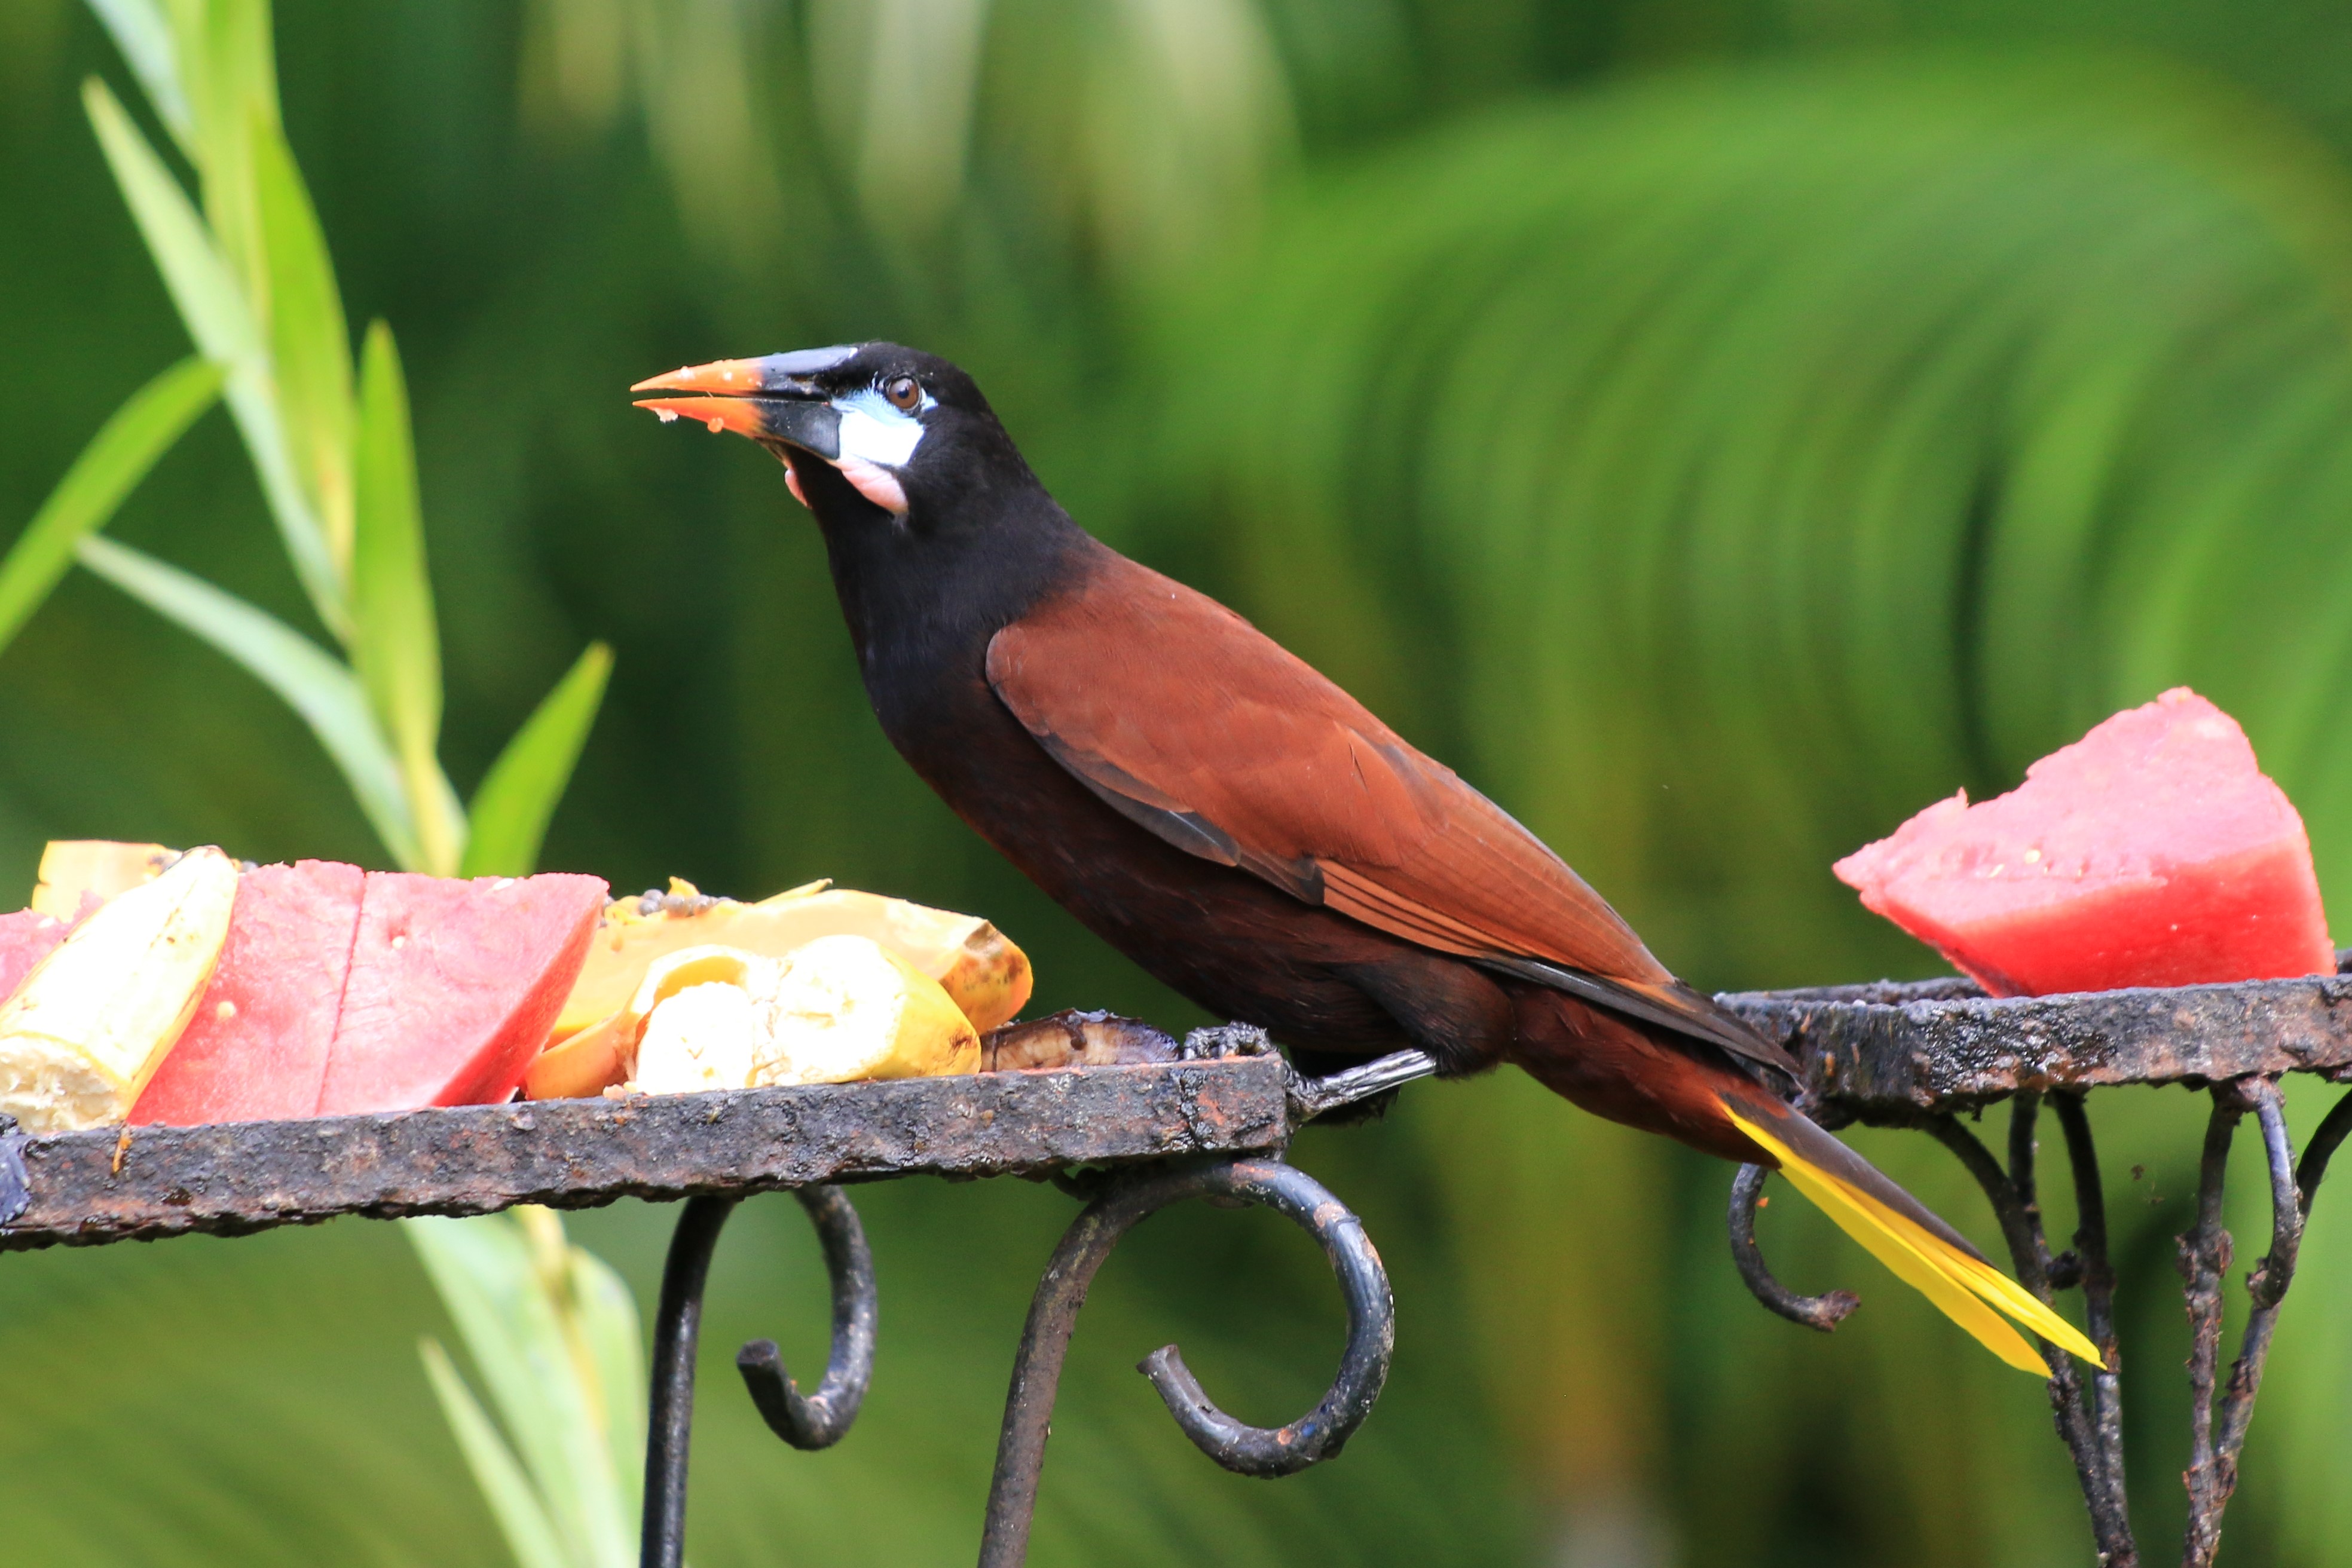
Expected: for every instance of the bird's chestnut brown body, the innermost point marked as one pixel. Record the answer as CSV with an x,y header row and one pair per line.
x,y
1094,642
1237,824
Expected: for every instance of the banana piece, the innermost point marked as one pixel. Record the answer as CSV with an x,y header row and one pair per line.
x,y
986,975
87,1028
839,1008
102,867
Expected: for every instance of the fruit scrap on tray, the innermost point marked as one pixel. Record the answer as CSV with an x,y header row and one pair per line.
x,y
2153,851
820,985
151,987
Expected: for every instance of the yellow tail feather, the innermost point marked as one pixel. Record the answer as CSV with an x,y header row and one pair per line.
x,y
1958,1284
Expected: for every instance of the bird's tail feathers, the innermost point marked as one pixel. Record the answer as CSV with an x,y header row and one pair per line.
x,y
1924,1252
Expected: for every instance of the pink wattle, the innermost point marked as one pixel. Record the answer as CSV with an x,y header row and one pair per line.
x,y
877,484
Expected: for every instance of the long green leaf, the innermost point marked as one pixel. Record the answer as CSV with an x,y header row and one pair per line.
x,y
231,74
605,1320
510,1300
511,808
326,694
520,1516
395,646
143,34
310,344
221,321
201,284
108,470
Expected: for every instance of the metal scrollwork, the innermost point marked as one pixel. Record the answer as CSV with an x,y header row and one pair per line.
x,y
811,1421
1119,1204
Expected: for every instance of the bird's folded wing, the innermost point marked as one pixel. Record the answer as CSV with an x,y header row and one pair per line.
x,y
1198,726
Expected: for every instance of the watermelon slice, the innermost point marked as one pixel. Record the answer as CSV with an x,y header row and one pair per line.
x,y
453,986
2153,851
25,938
257,1049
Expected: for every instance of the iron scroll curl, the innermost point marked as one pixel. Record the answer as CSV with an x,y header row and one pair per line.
x,y
1120,1204
811,1421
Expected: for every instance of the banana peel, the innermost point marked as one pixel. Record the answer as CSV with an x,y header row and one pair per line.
x,y
838,1008
85,1032
987,976
73,868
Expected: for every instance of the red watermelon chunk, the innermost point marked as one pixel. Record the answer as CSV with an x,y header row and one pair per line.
x,y
2153,851
454,985
25,938
256,1048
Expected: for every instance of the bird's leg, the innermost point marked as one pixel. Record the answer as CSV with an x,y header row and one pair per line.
x,y
1313,1097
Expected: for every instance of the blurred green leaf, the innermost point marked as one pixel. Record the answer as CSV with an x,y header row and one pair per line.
x,y
395,646
219,318
496,1471
508,816
108,470
310,345
144,34
541,1318
229,68
327,695
202,286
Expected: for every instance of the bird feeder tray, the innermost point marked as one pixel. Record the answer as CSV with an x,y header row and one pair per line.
x,y
1131,1139
1924,1055
1890,1054
141,1183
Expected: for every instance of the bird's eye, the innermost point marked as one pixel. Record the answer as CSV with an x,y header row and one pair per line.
x,y
903,392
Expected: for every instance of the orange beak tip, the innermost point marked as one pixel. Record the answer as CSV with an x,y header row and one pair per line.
x,y
718,414
719,376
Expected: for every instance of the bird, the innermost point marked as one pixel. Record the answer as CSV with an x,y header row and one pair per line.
x,y
1241,827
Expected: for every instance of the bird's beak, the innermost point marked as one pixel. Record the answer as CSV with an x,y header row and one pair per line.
x,y
773,399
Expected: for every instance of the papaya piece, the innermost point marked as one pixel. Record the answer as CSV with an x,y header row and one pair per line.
x,y
86,1030
985,974
833,1010
100,868
583,1067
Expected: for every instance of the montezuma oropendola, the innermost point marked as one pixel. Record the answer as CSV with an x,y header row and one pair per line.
x,y
1241,827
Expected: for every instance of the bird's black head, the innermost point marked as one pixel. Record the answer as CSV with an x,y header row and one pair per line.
x,y
876,435
936,532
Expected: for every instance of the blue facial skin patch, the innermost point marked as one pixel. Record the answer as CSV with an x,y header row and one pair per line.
x,y
875,431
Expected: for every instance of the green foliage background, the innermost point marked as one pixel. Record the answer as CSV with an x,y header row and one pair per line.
x,y
1719,426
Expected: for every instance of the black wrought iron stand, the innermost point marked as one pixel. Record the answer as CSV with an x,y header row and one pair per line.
x,y
1131,1140
1922,1056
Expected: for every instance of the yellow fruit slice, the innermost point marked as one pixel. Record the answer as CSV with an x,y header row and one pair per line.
x,y
87,1029
584,1066
71,867
986,975
833,1010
